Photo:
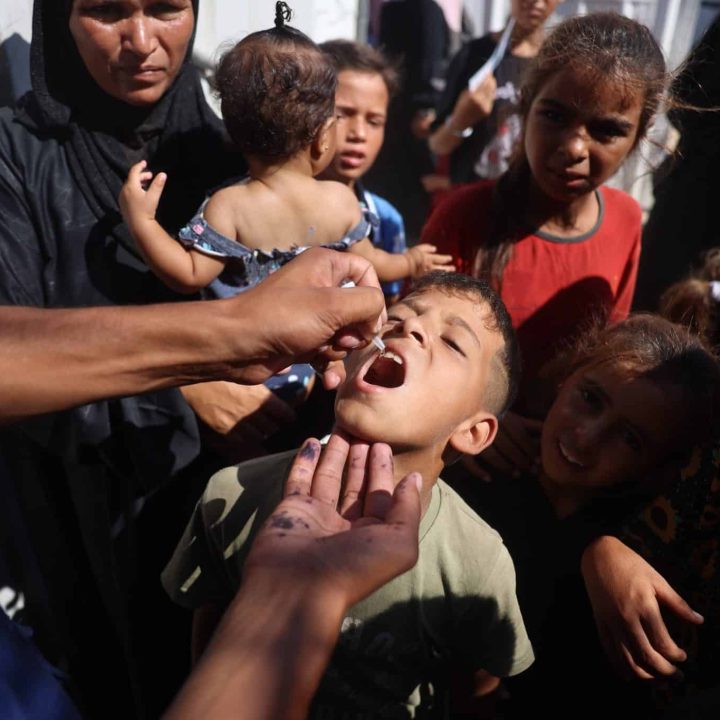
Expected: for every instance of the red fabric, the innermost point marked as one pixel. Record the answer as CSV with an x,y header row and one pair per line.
x,y
551,289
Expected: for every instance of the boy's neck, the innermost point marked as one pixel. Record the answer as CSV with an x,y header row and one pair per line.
x,y
561,218
328,174
423,461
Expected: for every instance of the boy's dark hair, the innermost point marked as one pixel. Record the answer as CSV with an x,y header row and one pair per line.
x,y
348,55
276,90
506,375
603,47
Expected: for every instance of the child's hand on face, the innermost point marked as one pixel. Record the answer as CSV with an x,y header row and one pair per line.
x,y
138,200
423,258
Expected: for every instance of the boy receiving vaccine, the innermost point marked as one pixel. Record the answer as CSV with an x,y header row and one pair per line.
x,y
449,369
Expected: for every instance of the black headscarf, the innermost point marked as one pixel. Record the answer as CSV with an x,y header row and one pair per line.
x,y
179,135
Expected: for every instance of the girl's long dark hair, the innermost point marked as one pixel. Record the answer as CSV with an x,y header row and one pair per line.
x,y
605,47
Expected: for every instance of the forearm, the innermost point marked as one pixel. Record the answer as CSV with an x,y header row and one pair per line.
x,y
54,359
445,139
388,266
267,656
167,258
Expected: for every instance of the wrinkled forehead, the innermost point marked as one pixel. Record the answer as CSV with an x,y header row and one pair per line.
x,y
454,307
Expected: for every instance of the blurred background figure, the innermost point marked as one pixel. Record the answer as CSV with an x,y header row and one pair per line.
x,y
682,223
417,36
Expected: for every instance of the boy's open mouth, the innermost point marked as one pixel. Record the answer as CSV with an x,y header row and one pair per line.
x,y
387,370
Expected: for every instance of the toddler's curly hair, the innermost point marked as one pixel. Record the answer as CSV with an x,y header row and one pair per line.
x,y
276,89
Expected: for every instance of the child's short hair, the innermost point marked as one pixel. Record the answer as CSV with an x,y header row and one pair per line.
x,y
348,55
653,348
506,374
276,91
695,301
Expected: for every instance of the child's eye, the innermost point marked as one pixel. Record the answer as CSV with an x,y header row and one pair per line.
x,y
589,397
632,440
552,115
606,131
376,122
453,346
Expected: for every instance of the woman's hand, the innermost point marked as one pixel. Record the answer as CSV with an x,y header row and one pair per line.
x,y
238,415
515,450
347,540
138,200
627,596
424,257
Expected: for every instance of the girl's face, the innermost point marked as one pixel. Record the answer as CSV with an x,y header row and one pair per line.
x,y
604,429
532,14
133,49
578,132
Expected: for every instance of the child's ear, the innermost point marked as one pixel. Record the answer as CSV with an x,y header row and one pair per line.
x,y
323,137
475,434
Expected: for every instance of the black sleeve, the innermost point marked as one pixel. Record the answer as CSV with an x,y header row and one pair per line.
x,y
416,35
21,263
464,64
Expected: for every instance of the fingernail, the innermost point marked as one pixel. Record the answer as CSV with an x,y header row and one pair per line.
x,y
350,342
698,616
417,479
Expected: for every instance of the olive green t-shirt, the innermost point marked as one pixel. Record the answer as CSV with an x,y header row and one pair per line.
x,y
455,608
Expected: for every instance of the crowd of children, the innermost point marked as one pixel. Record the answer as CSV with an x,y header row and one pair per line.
x,y
568,448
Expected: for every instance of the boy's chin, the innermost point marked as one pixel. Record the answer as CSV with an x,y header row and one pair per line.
x,y
362,423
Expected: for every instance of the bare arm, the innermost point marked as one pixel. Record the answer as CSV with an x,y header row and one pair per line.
x,y
182,270
470,109
414,262
52,359
308,564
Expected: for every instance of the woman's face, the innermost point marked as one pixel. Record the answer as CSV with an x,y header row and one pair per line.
x,y
604,429
133,49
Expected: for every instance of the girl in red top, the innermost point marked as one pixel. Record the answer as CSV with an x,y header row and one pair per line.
x,y
560,248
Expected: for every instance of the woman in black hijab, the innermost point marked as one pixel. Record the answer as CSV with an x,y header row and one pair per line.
x,y
112,83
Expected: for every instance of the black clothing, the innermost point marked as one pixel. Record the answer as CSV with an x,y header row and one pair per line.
x,y
414,34
684,222
469,59
83,477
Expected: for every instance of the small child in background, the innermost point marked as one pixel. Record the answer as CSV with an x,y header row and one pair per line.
x,y
695,301
366,82
277,92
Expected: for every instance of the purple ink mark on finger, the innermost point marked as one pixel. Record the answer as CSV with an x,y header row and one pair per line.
x,y
309,451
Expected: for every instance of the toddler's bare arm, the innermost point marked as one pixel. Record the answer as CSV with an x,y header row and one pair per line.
x,y
185,271
414,262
